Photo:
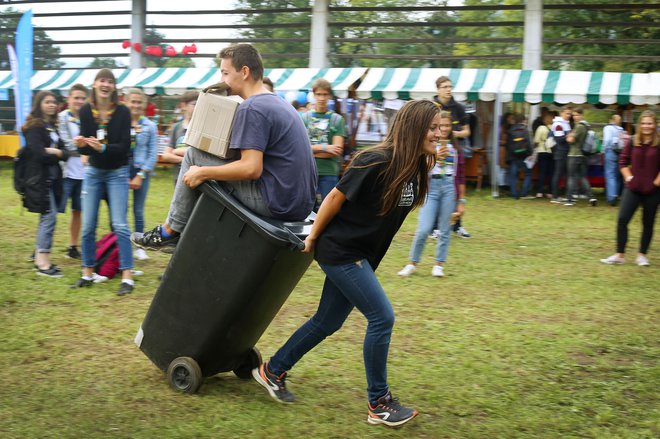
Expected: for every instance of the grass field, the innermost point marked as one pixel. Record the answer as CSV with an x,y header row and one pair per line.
x,y
528,336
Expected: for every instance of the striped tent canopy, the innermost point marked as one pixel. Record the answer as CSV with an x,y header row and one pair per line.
x,y
174,81
532,86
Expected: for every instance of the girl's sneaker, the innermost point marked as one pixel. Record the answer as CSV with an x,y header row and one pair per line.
x,y
642,261
52,271
97,278
388,411
407,270
613,260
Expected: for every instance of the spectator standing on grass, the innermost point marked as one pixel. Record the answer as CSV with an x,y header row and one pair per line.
x,y
611,139
144,154
74,171
177,148
275,175
43,175
518,151
543,155
460,125
640,167
576,161
105,136
352,232
561,127
326,130
441,200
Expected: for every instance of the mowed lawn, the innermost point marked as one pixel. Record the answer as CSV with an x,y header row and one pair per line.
x,y
527,336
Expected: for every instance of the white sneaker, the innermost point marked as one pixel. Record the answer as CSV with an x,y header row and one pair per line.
x,y
462,233
642,261
613,260
437,271
435,234
137,272
141,254
407,270
97,278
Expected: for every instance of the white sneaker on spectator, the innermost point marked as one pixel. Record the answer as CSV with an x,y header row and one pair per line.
x,y
642,261
141,254
407,270
137,272
613,260
97,278
437,271
435,234
462,233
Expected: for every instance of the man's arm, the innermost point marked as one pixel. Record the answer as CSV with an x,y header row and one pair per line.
x,y
248,167
334,150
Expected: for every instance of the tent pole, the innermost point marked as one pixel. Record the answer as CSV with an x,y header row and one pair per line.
x,y
495,141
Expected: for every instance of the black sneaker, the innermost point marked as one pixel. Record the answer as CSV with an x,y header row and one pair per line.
x,y
82,283
124,289
388,411
31,257
275,385
72,252
52,271
153,239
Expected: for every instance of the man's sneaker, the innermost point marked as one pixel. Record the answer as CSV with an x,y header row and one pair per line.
x,y
613,260
593,202
276,385
388,411
98,279
52,271
558,200
530,197
124,289
83,283
153,239
462,233
642,261
569,203
434,234
141,255
407,270
437,271
137,272
72,252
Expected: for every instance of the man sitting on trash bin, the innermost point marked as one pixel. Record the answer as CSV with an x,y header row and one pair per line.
x,y
275,175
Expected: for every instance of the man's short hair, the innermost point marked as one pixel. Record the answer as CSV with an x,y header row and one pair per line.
x,y
189,96
322,84
268,83
244,55
79,87
441,80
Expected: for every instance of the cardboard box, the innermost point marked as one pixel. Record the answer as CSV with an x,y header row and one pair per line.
x,y
211,122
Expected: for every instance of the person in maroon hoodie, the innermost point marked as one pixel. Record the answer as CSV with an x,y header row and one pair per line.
x,y
640,167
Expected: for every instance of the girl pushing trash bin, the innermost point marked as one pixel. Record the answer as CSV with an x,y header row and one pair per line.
x,y
352,232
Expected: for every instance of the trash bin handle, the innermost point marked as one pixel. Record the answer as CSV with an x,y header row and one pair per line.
x,y
300,244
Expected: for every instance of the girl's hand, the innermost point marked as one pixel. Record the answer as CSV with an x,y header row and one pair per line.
x,y
135,182
442,152
656,182
94,143
79,141
310,243
460,209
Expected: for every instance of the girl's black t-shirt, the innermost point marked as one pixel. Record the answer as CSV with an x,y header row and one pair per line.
x,y
357,231
118,141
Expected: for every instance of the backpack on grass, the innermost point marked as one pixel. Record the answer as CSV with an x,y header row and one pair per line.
x,y
107,256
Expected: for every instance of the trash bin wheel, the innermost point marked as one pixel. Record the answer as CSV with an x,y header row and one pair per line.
x,y
184,375
251,360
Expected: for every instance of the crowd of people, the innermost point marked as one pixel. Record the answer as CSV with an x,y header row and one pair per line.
x,y
291,163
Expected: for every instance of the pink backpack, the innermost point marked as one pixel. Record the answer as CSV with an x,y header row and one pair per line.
x,y
107,256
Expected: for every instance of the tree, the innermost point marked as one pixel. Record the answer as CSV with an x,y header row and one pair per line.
x,y
179,61
46,55
104,63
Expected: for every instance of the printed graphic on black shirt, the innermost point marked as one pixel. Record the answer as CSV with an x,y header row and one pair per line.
x,y
407,195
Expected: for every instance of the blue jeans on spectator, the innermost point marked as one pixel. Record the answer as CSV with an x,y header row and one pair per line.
x,y
326,184
559,172
515,166
139,199
46,227
613,179
439,205
114,183
546,166
71,189
346,286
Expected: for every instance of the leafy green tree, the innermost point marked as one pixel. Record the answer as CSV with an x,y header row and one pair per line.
x,y
46,55
104,63
179,61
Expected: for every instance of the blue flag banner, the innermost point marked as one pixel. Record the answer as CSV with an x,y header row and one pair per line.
x,y
24,54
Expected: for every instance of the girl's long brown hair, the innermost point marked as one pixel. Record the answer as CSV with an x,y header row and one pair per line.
x,y
637,138
408,161
105,74
37,118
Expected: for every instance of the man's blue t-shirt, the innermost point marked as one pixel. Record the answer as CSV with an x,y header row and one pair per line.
x,y
267,123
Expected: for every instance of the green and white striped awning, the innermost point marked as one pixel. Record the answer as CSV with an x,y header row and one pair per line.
x,y
532,86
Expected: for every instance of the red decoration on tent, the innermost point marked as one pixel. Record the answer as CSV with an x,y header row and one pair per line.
x,y
137,47
193,48
126,44
154,51
189,49
170,51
